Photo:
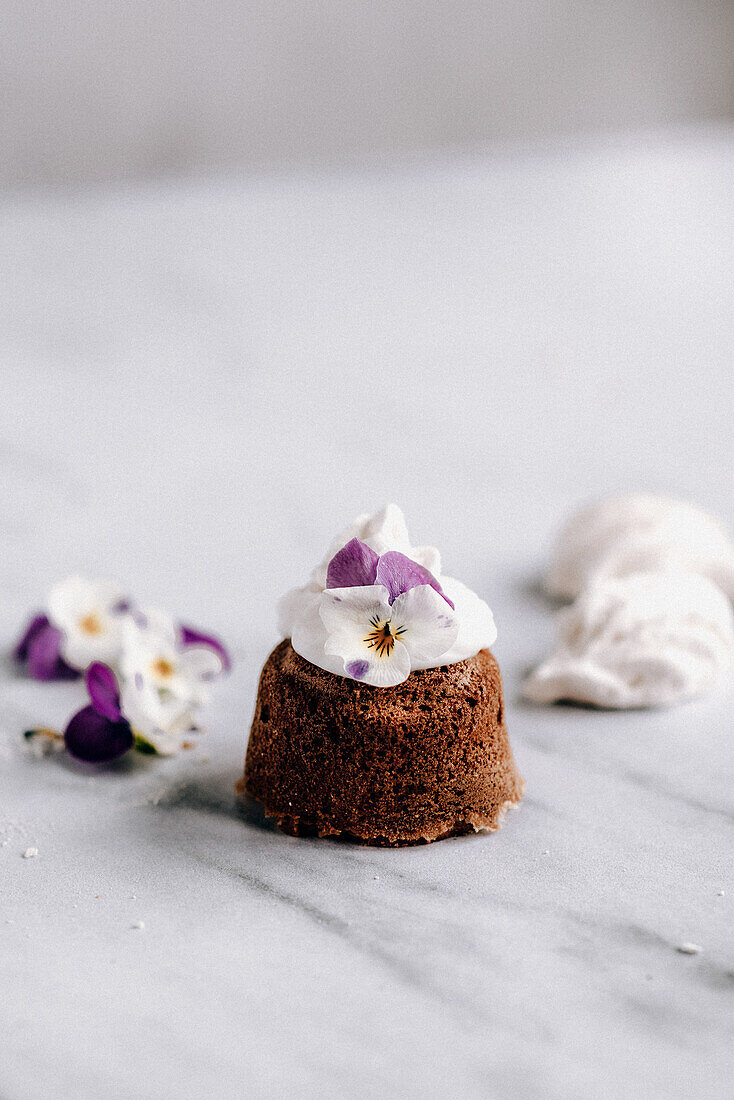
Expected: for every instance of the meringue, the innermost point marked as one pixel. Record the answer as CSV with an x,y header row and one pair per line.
x,y
642,640
639,533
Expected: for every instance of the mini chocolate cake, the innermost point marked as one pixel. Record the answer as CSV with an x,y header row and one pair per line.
x,y
425,759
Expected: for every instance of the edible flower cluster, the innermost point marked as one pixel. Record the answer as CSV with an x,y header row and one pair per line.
x,y
377,608
145,674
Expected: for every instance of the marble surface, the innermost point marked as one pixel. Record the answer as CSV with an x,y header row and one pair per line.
x,y
201,382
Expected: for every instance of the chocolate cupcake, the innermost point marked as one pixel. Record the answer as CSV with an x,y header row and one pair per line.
x,y
382,718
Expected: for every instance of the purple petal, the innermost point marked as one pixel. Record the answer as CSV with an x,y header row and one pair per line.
x,y
92,737
44,656
35,626
399,574
190,636
103,691
356,669
355,565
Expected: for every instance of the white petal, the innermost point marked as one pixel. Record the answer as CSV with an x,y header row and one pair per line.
x,y
151,713
70,600
151,620
430,626
385,671
80,650
199,663
308,638
346,612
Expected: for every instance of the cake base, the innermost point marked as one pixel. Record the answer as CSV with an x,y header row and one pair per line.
x,y
410,764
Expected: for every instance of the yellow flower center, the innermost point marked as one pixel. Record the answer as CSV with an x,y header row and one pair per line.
x,y
163,668
90,624
381,638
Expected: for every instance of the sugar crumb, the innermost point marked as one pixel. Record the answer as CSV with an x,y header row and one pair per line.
x,y
689,949
30,853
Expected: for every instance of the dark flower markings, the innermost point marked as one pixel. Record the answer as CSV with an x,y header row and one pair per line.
x,y
381,638
357,669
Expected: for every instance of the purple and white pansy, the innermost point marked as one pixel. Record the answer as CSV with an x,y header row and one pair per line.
x,y
145,673
82,623
376,610
100,731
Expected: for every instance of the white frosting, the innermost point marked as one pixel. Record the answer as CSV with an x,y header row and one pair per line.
x,y
647,639
641,533
299,611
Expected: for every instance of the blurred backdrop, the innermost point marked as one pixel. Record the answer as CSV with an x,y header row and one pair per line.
x,y
104,89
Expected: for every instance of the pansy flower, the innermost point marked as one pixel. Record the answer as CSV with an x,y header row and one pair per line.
x,y
383,613
167,672
100,731
159,718
82,624
146,674
122,716
177,661
382,538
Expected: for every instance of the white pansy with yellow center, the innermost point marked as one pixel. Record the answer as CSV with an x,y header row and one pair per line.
x,y
153,650
157,717
163,681
378,642
90,616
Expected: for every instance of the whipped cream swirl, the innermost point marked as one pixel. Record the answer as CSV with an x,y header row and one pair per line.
x,y
377,608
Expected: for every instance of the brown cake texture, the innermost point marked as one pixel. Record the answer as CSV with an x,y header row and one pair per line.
x,y
427,759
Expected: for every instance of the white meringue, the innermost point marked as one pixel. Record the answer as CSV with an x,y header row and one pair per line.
x,y
639,533
647,639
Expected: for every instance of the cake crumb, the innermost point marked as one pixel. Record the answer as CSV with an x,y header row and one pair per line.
x,y
689,949
138,925
30,853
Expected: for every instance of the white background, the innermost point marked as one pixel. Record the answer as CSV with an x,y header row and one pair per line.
x,y
97,89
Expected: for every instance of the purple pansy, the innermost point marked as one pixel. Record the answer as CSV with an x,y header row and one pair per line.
x,y
99,732
40,650
356,565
